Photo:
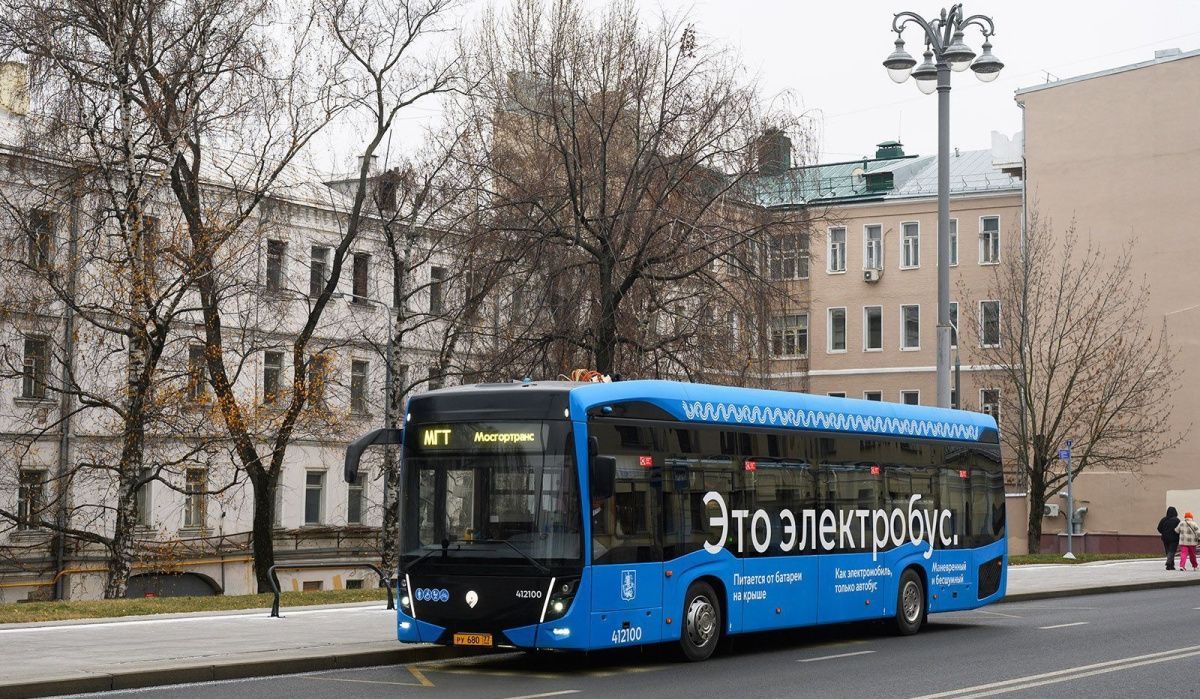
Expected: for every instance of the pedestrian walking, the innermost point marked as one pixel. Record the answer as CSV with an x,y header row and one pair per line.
x,y
1189,537
1170,538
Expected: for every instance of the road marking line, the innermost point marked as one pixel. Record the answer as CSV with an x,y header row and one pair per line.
x,y
831,657
420,676
1070,673
351,679
1079,676
547,694
1063,626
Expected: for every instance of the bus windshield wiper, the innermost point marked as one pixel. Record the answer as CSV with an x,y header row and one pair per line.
x,y
512,546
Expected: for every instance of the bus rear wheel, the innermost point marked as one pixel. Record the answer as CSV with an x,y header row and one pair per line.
x,y
910,604
701,622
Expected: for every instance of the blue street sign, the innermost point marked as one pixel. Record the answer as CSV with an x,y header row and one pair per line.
x,y
1064,453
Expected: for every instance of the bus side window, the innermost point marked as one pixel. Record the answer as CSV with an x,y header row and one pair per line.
x,y
626,527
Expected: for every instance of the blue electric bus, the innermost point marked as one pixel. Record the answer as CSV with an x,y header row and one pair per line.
x,y
565,515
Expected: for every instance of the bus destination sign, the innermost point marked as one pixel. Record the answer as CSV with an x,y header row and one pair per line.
x,y
481,436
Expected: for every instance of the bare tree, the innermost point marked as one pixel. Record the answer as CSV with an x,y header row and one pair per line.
x,y
1065,324
103,305
621,159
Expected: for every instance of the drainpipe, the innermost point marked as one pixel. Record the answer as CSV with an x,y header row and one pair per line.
x,y
1025,277
65,402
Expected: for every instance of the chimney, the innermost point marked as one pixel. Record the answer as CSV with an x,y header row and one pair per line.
x,y
373,168
14,88
889,150
774,152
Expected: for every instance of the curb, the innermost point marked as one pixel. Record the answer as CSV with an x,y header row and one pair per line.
x,y
1100,590
138,679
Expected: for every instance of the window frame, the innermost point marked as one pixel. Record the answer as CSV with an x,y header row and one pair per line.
x,y
360,279
272,397
867,396
319,488
982,329
318,270
954,327
954,242
35,368
437,290
867,330
276,265
984,237
995,405
197,373
867,247
910,392
904,328
836,394
39,239
829,334
783,331
30,508
359,381
356,492
835,260
916,264
195,502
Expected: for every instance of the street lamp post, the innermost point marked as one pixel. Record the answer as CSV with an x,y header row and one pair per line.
x,y
944,51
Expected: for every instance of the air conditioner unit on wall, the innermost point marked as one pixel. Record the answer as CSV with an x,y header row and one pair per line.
x,y
872,275
1050,510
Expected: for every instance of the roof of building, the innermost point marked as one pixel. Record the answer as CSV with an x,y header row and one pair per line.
x,y
880,179
1160,57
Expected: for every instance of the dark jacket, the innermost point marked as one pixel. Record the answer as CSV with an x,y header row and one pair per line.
x,y
1167,525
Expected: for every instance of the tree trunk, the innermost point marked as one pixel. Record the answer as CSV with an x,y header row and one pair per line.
x,y
262,536
121,548
390,545
1037,501
605,344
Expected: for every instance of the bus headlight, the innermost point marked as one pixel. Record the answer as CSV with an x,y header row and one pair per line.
x,y
402,595
561,597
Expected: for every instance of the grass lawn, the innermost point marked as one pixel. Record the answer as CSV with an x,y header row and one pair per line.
x,y
95,609
1079,557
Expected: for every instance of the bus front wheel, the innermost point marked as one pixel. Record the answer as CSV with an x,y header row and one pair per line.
x,y
701,622
910,604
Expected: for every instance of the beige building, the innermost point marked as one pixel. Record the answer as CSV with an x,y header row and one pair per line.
x,y
1118,151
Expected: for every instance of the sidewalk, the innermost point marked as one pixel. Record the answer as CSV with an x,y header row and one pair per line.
x,y
96,655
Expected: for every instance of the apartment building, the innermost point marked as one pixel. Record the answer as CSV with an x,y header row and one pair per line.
x,y
870,270
1116,151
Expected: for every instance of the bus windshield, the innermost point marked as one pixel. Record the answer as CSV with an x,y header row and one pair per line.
x,y
501,494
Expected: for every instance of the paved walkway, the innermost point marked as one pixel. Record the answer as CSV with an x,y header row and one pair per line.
x,y
93,655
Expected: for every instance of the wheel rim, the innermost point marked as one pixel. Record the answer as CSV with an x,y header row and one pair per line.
x,y
701,621
912,601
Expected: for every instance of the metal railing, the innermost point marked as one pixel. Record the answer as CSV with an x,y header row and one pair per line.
x,y
391,604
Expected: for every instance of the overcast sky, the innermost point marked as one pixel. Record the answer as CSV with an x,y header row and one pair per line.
x,y
826,55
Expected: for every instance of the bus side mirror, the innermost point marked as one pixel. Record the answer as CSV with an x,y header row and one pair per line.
x,y
604,477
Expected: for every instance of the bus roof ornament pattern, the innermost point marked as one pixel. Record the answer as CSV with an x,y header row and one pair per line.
x,y
698,411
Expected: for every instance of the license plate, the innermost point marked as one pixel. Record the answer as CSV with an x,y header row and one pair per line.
x,y
472,639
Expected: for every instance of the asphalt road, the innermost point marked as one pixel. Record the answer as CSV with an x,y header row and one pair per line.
x,y
1119,645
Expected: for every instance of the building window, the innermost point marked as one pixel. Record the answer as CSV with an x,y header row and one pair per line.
x,y
989,402
910,397
873,395
836,394
362,265
197,389
142,501
354,499
788,257
312,585
272,373
873,328
34,367
195,505
910,327
873,247
314,497
31,497
954,399
989,240
789,336
39,237
953,242
837,330
318,271
989,323
358,386
953,324
434,378
837,249
437,280
910,245
356,584
318,376
276,252
517,306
